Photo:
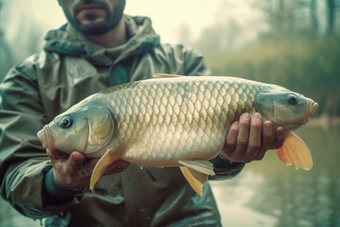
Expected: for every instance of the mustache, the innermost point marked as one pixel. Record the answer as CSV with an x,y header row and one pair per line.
x,y
81,3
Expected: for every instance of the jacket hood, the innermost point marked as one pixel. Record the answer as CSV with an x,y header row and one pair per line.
x,y
68,41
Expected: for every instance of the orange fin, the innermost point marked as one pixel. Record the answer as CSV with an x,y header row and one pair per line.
x,y
160,75
295,152
107,159
202,166
283,157
195,179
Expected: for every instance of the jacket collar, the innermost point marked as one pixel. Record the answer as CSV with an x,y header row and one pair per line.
x,y
68,41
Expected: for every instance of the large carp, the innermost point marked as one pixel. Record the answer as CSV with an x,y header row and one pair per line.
x,y
174,121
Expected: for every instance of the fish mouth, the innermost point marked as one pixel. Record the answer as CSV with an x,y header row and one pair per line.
x,y
46,137
315,105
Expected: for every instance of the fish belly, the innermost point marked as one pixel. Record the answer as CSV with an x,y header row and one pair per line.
x,y
163,121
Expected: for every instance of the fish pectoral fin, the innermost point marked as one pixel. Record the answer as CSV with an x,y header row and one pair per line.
x,y
295,152
283,157
195,179
161,75
107,159
203,166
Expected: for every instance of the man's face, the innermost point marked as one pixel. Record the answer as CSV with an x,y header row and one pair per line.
x,y
93,17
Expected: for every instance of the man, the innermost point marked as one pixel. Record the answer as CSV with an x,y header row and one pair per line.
x,y
98,48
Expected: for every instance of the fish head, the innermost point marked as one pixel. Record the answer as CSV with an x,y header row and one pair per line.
x,y
285,108
86,129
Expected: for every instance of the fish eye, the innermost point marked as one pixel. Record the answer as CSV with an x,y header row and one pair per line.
x,y
66,122
292,99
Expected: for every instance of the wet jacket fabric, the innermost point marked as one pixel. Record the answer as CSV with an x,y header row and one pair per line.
x,y
69,69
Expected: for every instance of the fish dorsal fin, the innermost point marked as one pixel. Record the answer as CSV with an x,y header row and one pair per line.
x,y
161,75
195,179
295,152
107,159
196,172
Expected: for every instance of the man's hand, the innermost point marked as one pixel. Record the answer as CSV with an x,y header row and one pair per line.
x,y
73,171
248,139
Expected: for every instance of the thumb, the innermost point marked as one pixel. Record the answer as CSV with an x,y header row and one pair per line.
x,y
76,160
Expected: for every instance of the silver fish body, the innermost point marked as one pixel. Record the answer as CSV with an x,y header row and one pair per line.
x,y
167,121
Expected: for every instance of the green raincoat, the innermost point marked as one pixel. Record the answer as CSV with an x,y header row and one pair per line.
x,y
69,69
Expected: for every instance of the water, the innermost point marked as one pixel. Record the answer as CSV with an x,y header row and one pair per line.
x,y
267,193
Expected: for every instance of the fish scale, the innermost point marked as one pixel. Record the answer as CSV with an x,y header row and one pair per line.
x,y
163,119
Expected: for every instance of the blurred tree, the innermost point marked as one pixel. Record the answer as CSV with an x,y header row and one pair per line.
x,y
285,17
330,16
292,51
313,15
25,38
232,32
6,58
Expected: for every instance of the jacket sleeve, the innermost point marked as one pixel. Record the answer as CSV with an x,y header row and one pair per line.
x,y
23,161
184,60
194,65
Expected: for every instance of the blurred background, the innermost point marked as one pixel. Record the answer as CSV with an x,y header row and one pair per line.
x,y
293,43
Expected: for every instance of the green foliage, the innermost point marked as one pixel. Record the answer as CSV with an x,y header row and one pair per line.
x,y
308,65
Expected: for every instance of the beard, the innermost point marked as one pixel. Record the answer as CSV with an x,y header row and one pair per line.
x,y
111,20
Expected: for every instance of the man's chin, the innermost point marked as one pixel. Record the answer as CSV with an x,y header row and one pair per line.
x,y
95,26
91,21
94,29
91,25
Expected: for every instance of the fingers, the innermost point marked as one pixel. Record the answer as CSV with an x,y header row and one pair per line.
x,y
242,139
74,171
116,167
56,156
71,162
53,155
75,161
280,139
249,139
236,145
254,143
67,168
230,141
267,138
